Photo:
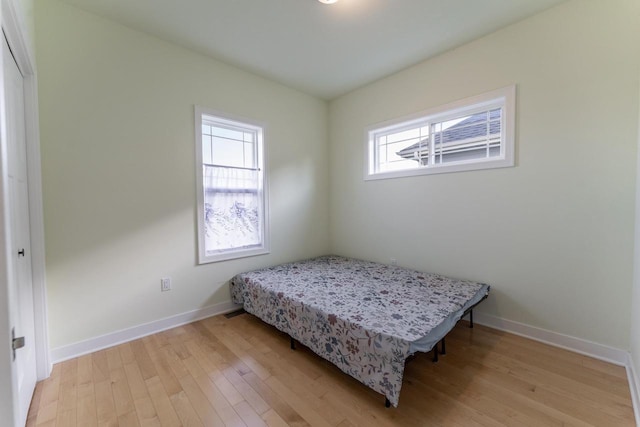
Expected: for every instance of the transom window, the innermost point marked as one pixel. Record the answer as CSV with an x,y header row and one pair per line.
x,y
231,192
474,133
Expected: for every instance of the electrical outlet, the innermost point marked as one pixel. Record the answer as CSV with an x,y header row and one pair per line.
x,y
165,284
394,261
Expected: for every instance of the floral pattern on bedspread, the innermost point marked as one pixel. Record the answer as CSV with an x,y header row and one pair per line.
x,y
359,315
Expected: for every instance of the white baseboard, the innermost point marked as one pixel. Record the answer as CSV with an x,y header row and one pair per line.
x,y
70,351
578,345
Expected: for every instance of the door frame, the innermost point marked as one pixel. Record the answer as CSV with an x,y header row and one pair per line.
x,y
15,30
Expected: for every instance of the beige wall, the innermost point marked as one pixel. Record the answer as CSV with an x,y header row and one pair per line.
x,y
553,235
635,299
117,137
27,11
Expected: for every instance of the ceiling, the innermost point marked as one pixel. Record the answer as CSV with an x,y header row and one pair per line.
x,y
324,50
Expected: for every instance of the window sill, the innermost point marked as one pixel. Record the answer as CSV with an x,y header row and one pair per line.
x,y
229,255
460,167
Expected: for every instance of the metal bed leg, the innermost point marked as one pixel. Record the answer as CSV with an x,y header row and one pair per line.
x,y
293,344
443,351
386,403
435,353
471,318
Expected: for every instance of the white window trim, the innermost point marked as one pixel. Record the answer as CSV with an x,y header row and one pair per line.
x,y
203,258
505,96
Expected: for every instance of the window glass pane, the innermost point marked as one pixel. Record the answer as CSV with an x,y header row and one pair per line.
x,y
227,132
406,149
249,155
405,135
227,152
232,208
473,136
206,149
380,148
398,165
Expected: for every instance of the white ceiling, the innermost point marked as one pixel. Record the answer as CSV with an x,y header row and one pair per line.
x,y
324,50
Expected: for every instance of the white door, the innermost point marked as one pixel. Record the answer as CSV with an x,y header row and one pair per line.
x,y
20,282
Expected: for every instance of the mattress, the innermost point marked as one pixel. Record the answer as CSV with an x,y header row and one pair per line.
x,y
364,317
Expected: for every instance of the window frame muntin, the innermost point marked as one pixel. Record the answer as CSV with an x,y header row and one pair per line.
x,y
504,97
261,162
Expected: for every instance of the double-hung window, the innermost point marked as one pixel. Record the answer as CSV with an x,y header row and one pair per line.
x,y
473,133
232,204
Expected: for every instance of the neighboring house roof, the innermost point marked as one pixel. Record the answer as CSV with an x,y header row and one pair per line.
x,y
473,127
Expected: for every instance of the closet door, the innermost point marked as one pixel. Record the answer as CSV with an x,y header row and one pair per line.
x,y
20,275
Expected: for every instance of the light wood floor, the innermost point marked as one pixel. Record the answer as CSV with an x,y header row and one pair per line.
x,y
241,372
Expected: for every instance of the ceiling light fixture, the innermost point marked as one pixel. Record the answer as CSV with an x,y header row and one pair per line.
x,y
327,1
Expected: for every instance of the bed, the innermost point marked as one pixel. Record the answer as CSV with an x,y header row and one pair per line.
x,y
364,317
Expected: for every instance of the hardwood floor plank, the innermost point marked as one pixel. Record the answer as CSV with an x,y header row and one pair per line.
x,y
85,369
277,404
100,367
51,386
225,386
146,412
175,362
313,392
272,419
470,388
219,402
187,414
613,405
161,402
68,393
240,372
250,417
121,393
163,369
105,406
47,411
87,412
126,353
66,418
130,419
137,386
147,369
202,358
113,358
200,403
303,408
246,391
32,415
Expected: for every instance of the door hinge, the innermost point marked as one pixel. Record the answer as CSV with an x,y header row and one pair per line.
x,y
16,343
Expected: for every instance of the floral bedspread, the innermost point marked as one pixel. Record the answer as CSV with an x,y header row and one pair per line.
x,y
361,316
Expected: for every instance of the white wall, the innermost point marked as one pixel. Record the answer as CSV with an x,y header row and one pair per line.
x,y
117,137
553,235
